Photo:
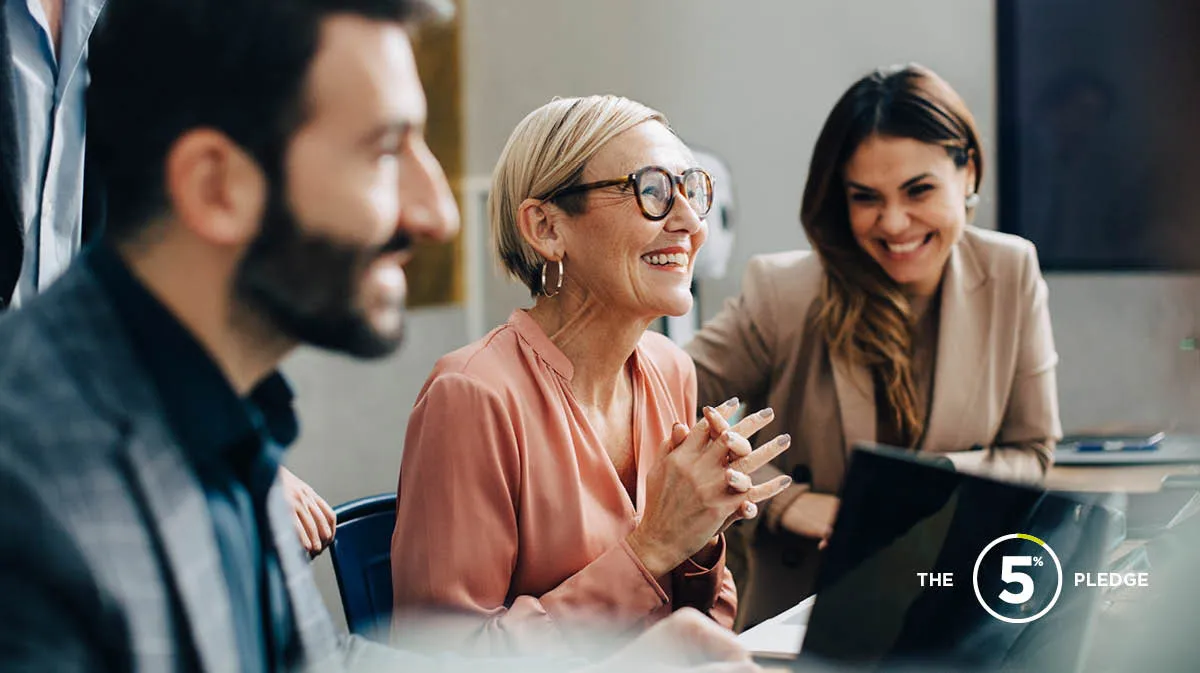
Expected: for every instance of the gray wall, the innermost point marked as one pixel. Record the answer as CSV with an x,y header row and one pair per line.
x,y
751,81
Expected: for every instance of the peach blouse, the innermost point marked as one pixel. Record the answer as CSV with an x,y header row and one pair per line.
x,y
511,511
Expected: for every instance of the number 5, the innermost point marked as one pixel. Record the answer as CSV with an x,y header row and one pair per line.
x,y
1010,576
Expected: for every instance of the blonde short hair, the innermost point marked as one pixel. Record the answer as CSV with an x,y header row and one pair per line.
x,y
546,152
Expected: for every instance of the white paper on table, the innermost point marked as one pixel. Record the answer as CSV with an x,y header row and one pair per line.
x,y
780,636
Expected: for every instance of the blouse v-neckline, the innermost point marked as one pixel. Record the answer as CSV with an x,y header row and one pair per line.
x,y
544,347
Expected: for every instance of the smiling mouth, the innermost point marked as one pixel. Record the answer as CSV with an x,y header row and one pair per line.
x,y
907,247
673,260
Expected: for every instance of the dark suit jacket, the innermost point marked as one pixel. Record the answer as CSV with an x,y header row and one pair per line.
x,y
108,559
12,234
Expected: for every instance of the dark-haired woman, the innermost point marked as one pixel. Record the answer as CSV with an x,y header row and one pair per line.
x,y
904,325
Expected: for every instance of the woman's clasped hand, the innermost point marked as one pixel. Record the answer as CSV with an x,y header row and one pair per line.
x,y
703,485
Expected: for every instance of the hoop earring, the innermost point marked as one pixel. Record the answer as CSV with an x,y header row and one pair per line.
x,y
972,200
558,286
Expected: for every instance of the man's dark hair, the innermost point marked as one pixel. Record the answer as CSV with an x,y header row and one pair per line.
x,y
163,67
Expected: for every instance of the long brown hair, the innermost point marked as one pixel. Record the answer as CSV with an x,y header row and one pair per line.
x,y
864,317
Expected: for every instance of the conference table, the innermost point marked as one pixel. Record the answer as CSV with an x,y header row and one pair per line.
x,y
1175,462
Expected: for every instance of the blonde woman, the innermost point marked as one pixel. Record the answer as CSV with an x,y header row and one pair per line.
x,y
904,325
553,477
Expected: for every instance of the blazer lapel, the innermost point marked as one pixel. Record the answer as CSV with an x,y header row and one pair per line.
x,y
962,353
94,197
178,511
90,337
12,235
856,401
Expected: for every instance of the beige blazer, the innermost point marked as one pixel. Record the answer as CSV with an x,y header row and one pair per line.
x,y
993,386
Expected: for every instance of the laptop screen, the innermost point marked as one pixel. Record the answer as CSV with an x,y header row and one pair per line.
x,y
931,566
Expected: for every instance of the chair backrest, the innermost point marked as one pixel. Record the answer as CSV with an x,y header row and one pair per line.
x,y
361,553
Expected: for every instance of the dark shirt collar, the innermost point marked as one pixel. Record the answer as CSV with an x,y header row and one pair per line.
x,y
207,416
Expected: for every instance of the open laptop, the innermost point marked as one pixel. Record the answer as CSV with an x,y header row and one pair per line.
x,y
901,515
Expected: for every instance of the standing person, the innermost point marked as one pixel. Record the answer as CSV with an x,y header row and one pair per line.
x,y
47,208
904,326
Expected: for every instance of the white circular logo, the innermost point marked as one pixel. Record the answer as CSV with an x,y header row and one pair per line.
x,y
1012,575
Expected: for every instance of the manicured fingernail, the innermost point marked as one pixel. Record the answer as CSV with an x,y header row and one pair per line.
x,y
731,437
731,402
784,439
767,413
787,481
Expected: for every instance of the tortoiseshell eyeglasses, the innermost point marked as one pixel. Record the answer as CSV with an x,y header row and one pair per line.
x,y
655,188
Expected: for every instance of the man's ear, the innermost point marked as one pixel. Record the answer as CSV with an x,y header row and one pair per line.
x,y
540,226
215,188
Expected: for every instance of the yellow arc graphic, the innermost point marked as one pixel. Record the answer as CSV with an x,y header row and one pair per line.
x,y
1026,536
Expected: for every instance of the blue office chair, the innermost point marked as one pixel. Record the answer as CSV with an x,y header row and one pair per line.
x,y
361,553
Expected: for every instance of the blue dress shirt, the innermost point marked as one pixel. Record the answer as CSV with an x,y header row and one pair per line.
x,y
48,98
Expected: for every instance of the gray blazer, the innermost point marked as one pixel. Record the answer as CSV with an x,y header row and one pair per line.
x,y
108,561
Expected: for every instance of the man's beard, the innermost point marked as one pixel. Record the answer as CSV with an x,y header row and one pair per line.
x,y
308,285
